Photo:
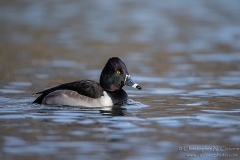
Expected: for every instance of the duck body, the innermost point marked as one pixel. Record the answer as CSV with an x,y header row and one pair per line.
x,y
81,93
90,93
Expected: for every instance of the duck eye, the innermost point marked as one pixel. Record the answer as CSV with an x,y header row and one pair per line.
x,y
118,72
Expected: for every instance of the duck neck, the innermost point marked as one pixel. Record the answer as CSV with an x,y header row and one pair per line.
x,y
118,96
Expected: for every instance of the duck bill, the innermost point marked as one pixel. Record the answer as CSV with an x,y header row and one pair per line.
x,y
131,83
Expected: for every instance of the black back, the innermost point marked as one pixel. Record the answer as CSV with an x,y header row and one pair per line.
x,y
87,88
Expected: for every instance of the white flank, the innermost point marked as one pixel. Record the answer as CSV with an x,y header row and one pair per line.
x,y
72,98
106,100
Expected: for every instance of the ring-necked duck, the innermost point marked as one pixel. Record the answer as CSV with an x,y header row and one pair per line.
x,y
90,93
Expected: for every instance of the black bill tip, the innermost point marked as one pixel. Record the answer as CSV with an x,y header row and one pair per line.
x,y
138,87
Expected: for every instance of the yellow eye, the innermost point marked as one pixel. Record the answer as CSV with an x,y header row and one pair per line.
x,y
118,72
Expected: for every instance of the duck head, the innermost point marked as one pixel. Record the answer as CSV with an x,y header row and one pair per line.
x,y
115,75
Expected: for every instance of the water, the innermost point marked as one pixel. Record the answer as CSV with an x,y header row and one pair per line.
x,y
185,55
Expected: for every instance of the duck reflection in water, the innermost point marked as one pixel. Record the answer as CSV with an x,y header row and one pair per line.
x,y
115,110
